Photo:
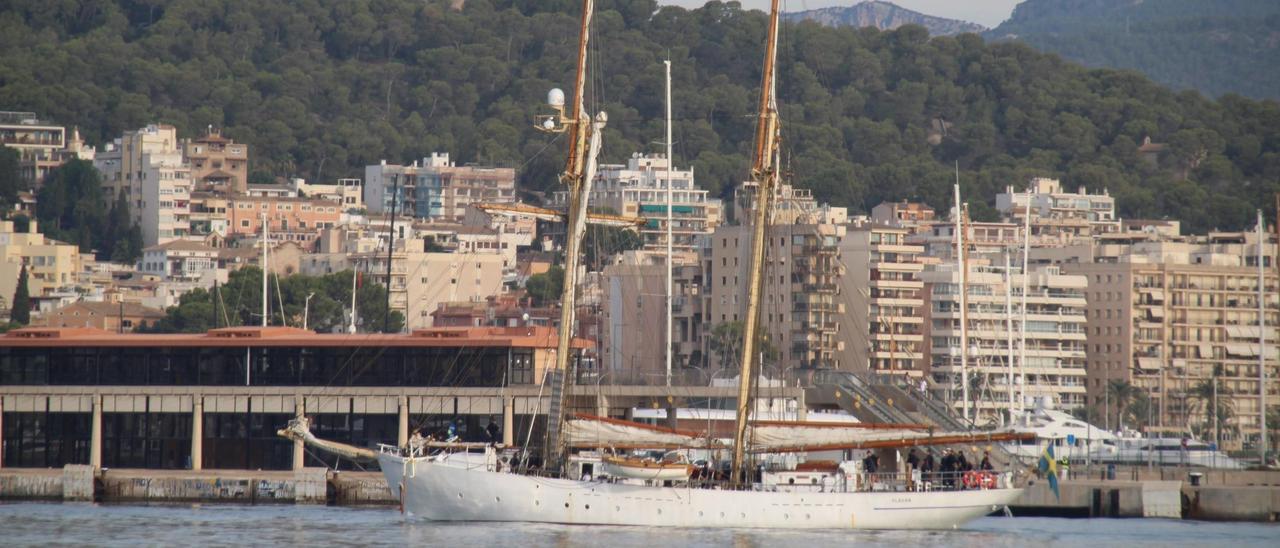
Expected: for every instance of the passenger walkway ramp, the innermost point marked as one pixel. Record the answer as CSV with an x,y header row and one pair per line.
x,y
850,393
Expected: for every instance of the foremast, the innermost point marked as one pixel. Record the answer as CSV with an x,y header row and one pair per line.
x,y
764,172
579,170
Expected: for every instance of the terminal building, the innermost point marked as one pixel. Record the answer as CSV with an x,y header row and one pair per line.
x,y
215,400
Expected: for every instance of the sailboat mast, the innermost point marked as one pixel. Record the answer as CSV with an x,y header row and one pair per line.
x,y
962,266
265,250
765,174
1262,339
670,166
1026,273
579,171
1008,319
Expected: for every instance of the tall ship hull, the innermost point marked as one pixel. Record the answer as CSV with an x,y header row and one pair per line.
x,y
450,492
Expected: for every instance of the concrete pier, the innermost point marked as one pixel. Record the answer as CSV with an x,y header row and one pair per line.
x,y
305,486
1226,495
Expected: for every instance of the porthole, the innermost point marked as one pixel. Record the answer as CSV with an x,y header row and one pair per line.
x,y
459,495
497,499
588,507
566,505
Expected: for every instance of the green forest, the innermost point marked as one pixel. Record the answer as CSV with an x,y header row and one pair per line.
x,y
320,89
1214,46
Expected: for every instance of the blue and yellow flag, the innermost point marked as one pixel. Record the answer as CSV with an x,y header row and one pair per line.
x,y
1049,467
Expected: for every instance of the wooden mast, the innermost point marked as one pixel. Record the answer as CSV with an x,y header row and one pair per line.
x,y
579,170
764,173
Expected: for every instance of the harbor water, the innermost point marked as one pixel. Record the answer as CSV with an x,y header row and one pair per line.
x,y
45,524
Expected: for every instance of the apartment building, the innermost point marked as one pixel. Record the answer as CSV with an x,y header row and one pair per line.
x,y
182,260
991,351
288,219
800,307
904,214
217,163
639,189
347,192
1058,216
147,165
1171,315
883,324
51,264
436,188
41,146
419,281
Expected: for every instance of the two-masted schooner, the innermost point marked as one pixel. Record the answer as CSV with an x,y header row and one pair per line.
x,y
451,481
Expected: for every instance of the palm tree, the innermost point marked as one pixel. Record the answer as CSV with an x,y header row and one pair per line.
x,y
1139,410
1121,392
1209,396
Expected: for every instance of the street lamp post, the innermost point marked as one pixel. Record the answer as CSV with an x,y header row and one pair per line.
x,y
306,308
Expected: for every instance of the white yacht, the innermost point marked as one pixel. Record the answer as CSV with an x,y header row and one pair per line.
x,y
1163,452
1080,442
1070,437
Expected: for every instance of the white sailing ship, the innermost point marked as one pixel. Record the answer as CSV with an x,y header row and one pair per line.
x,y
478,482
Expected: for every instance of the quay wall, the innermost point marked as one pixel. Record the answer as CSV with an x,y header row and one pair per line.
x,y
1219,495
305,486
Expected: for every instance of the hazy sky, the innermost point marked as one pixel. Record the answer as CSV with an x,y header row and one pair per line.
x,y
987,13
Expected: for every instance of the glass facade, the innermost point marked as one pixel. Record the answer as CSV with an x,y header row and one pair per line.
x,y
46,440
246,441
268,366
146,440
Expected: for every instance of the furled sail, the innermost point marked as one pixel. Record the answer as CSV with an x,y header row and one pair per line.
x,y
781,436
593,431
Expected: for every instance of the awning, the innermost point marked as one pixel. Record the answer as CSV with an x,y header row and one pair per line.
x,y
1206,351
1243,350
1151,364
1156,312
1243,332
1157,294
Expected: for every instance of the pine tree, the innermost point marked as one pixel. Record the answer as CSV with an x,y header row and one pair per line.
x,y
21,311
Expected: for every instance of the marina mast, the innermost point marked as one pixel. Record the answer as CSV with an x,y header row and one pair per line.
x,y
670,166
764,172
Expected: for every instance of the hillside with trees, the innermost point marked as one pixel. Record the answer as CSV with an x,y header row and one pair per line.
x,y
322,89
1214,46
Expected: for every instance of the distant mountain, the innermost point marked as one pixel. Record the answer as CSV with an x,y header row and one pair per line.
x,y
884,16
1214,46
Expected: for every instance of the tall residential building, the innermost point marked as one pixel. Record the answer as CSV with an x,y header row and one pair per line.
x,y
639,189
800,307
1173,315
41,146
883,324
1058,216
218,163
436,189
148,167
1055,337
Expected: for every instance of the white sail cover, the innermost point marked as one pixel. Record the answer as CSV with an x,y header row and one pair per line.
x,y
591,431
798,436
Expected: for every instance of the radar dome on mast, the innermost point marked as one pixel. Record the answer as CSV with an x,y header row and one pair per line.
x,y
555,97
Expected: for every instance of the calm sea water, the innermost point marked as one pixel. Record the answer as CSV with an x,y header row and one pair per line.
x,y
41,524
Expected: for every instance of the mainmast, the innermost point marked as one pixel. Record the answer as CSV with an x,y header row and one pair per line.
x,y
764,172
579,170
670,166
